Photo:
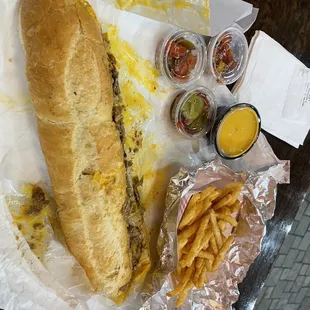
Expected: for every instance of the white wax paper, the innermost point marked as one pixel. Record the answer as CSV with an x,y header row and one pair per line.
x,y
61,284
193,15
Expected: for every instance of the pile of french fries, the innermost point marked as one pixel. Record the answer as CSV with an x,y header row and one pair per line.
x,y
202,245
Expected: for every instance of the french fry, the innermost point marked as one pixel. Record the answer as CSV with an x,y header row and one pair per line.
x,y
198,211
213,245
188,231
185,234
202,275
202,210
234,196
199,263
208,265
216,263
197,242
235,207
187,248
178,271
206,254
215,229
206,239
198,270
179,288
184,293
222,225
206,192
181,245
206,204
226,246
227,218
190,211
221,255
228,189
214,195
225,210
223,202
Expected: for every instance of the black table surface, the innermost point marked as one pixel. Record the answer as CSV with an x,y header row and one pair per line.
x,y
288,22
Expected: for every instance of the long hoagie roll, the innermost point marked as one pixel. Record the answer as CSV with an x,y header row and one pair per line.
x,y
70,86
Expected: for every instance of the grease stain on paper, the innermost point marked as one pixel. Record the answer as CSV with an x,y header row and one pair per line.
x,y
18,103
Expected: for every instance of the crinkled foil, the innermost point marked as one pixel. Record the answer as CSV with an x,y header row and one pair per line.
x,y
257,205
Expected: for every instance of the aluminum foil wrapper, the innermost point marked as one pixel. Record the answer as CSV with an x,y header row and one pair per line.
x,y
257,205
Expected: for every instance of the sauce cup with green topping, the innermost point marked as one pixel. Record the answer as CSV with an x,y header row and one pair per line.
x,y
193,112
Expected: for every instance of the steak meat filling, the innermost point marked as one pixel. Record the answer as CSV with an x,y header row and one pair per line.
x,y
132,210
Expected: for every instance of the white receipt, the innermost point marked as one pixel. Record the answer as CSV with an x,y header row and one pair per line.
x,y
297,103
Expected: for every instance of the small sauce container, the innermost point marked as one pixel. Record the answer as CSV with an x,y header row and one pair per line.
x,y
193,112
236,130
180,58
227,55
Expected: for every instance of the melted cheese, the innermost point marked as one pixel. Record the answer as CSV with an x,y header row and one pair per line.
x,y
32,226
138,68
203,9
137,111
141,151
127,4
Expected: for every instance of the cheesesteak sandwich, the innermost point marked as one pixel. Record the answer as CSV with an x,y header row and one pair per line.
x,y
69,81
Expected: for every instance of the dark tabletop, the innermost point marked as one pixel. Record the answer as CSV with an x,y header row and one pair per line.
x,y
288,22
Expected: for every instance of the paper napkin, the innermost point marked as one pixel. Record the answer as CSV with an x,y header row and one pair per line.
x,y
278,85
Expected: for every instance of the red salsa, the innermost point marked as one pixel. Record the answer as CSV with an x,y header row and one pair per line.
x,y
181,58
225,61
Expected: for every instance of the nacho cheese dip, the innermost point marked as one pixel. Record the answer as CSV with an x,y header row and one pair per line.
x,y
237,132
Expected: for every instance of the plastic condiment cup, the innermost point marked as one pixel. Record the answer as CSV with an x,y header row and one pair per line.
x,y
180,101
162,58
239,47
222,113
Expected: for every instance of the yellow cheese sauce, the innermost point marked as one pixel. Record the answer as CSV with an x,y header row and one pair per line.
x,y
140,69
237,131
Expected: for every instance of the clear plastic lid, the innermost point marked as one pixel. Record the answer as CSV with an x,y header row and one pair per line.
x,y
180,58
227,55
193,112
